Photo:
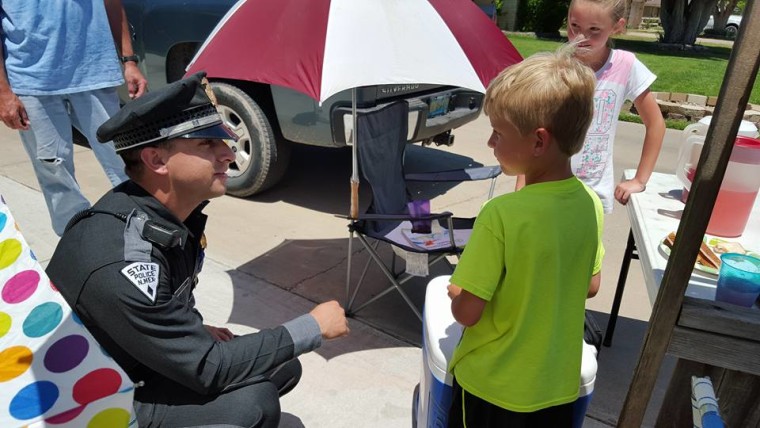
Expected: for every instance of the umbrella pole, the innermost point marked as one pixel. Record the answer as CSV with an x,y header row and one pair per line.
x,y
354,213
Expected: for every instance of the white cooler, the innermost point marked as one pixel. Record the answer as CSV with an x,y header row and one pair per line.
x,y
440,335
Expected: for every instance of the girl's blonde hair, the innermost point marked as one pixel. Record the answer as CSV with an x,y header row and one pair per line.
x,y
547,90
617,8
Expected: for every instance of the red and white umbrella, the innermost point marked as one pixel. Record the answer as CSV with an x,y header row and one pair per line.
x,y
322,47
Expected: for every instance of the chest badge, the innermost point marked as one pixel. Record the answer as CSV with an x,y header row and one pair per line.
x,y
144,276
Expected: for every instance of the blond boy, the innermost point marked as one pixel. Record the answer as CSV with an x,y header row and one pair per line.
x,y
534,255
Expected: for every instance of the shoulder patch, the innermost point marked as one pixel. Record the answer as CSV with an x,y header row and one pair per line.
x,y
144,276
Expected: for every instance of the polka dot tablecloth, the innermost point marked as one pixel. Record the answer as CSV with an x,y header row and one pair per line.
x,y
52,372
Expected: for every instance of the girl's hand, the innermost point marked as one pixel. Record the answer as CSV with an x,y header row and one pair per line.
x,y
625,189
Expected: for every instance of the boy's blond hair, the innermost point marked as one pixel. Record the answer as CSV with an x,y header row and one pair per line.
x,y
547,90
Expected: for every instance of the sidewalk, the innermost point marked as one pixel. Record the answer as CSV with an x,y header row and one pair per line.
x,y
271,258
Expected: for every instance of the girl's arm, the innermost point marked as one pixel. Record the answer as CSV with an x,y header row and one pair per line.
x,y
466,307
520,183
651,115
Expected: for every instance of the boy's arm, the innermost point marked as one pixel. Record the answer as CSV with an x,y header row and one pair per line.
x,y
651,115
466,307
593,287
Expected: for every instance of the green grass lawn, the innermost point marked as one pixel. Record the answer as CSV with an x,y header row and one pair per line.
x,y
699,72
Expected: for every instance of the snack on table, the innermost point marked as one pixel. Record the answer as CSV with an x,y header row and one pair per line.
x,y
729,247
706,256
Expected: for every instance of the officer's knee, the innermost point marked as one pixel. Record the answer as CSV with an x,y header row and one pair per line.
x,y
285,377
259,405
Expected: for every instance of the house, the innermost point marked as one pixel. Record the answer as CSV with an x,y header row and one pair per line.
x,y
640,9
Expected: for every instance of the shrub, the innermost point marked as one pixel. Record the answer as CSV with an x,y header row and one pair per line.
x,y
544,17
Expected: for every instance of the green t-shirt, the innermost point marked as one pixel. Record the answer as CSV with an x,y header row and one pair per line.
x,y
531,257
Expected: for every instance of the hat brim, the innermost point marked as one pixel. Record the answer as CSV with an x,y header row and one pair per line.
x,y
219,131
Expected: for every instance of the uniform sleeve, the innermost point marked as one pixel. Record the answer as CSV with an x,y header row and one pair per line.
x,y
482,264
169,338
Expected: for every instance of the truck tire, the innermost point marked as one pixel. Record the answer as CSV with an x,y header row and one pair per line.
x,y
261,159
732,31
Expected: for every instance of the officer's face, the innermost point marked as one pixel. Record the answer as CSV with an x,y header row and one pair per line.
x,y
197,168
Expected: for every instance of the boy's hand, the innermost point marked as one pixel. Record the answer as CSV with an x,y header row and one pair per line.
x,y
454,291
626,188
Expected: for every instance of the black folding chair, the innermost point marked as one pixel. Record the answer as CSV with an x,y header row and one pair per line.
x,y
382,140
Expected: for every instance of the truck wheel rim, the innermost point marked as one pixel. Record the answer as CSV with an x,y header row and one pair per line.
x,y
241,147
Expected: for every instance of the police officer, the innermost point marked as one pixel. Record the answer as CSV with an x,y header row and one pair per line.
x,y
128,267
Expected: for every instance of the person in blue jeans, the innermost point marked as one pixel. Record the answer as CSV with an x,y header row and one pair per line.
x,y
60,65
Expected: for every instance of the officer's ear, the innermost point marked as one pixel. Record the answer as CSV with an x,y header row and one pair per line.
x,y
154,159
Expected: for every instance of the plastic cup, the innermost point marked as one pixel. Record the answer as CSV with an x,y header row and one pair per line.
x,y
420,208
738,279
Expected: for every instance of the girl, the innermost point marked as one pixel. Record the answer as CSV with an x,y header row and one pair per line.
x,y
620,76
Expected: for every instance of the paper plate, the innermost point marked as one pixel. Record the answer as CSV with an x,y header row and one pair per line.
x,y
709,270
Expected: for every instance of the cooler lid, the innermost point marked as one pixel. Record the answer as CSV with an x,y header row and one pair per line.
x,y
442,332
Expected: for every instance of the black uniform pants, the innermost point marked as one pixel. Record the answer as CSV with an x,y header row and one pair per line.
x,y
252,405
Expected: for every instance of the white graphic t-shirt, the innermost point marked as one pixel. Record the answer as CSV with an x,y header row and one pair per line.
x,y
623,77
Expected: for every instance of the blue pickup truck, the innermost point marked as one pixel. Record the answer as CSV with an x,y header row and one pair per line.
x,y
270,118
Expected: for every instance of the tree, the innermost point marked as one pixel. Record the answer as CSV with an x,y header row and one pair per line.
x,y
723,9
683,20
544,17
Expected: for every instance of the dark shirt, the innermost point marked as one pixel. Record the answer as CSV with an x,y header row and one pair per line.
x,y
162,343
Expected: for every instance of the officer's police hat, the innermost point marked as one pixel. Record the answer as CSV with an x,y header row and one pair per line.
x,y
181,109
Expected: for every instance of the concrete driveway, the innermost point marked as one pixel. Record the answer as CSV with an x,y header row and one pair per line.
x,y
272,257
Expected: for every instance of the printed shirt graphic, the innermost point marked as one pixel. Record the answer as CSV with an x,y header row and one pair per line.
x,y
623,77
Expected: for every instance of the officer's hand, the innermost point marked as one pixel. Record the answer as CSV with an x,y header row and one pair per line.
x,y
331,319
220,334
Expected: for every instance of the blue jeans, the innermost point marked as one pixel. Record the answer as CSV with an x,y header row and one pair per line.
x,y
49,144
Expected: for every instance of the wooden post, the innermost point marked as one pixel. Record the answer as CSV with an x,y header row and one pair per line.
x,y
733,97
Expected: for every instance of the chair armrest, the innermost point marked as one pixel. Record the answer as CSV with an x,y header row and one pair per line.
x,y
403,217
397,217
465,174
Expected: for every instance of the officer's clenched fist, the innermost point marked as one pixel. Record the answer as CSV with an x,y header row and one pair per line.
x,y
331,319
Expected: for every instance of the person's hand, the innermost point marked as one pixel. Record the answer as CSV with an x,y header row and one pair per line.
x,y
331,319
626,188
220,334
454,291
12,111
136,82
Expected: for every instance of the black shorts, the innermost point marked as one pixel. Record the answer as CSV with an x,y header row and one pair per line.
x,y
470,411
